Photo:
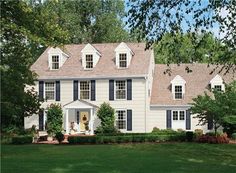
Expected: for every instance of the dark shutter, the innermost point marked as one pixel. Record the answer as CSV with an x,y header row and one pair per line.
x,y
77,117
168,119
75,90
188,120
111,89
129,89
93,90
41,90
210,123
58,91
129,120
41,120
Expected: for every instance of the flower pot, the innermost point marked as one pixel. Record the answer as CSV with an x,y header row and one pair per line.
x,y
50,138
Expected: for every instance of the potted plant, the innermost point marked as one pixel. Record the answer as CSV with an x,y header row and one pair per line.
x,y
87,127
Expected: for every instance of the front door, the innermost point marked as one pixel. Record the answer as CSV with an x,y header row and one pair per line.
x,y
84,120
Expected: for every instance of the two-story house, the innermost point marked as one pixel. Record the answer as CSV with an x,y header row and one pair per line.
x,y
144,95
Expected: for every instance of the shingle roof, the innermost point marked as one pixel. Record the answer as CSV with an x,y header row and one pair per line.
x,y
197,82
106,67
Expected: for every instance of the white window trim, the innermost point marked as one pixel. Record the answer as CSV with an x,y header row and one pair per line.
x,y
178,115
86,61
89,89
50,60
116,118
44,91
175,92
126,53
125,90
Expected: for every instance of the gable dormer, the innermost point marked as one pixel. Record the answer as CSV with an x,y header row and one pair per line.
x,y
90,57
178,87
56,58
217,83
123,55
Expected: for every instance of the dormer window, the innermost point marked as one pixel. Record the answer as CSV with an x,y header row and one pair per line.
x,y
178,92
122,60
55,62
89,61
178,87
217,83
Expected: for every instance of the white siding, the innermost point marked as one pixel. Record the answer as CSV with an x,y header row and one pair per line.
x,y
156,118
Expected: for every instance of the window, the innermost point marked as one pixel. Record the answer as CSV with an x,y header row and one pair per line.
x,y
178,115
218,87
120,89
122,60
49,90
84,90
121,119
178,92
89,61
175,115
55,62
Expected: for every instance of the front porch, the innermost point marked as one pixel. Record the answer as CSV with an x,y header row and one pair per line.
x,y
79,118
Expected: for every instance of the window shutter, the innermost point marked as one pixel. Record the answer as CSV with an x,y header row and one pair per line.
x,y
75,90
41,120
129,120
58,91
93,90
210,123
111,89
168,119
129,89
41,90
188,120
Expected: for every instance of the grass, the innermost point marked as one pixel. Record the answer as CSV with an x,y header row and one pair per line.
x,y
126,158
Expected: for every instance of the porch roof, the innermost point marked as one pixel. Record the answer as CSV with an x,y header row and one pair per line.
x,y
79,104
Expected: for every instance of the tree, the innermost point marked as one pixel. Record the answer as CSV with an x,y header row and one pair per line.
x,y
23,29
54,119
181,48
107,116
152,19
220,108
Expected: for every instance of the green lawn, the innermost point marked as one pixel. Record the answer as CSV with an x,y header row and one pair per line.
x,y
143,158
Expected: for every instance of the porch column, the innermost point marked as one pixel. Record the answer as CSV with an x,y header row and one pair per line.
x,y
91,121
67,121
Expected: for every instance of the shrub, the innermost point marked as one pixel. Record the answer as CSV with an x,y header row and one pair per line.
x,y
54,119
218,139
22,139
60,136
233,136
189,136
82,139
198,132
155,129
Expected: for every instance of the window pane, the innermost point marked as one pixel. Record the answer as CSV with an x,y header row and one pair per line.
x,y
120,90
121,119
181,115
218,87
89,61
175,115
123,60
84,90
49,90
178,92
55,62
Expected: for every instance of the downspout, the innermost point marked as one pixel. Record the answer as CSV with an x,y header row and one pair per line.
x,y
145,119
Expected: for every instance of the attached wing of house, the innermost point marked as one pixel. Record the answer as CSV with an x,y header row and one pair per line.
x,y
144,95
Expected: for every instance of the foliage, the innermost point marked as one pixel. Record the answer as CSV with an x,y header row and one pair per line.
x,y
153,19
233,136
22,139
54,119
59,136
218,139
24,29
107,116
189,136
198,132
220,108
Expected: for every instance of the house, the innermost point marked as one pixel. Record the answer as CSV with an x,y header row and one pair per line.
x,y
144,95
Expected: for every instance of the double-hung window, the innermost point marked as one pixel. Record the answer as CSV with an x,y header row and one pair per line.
x,y
120,89
55,62
121,119
218,87
178,115
50,90
84,90
178,92
89,61
122,60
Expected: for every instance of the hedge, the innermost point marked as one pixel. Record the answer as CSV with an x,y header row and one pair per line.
x,y
125,138
22,139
